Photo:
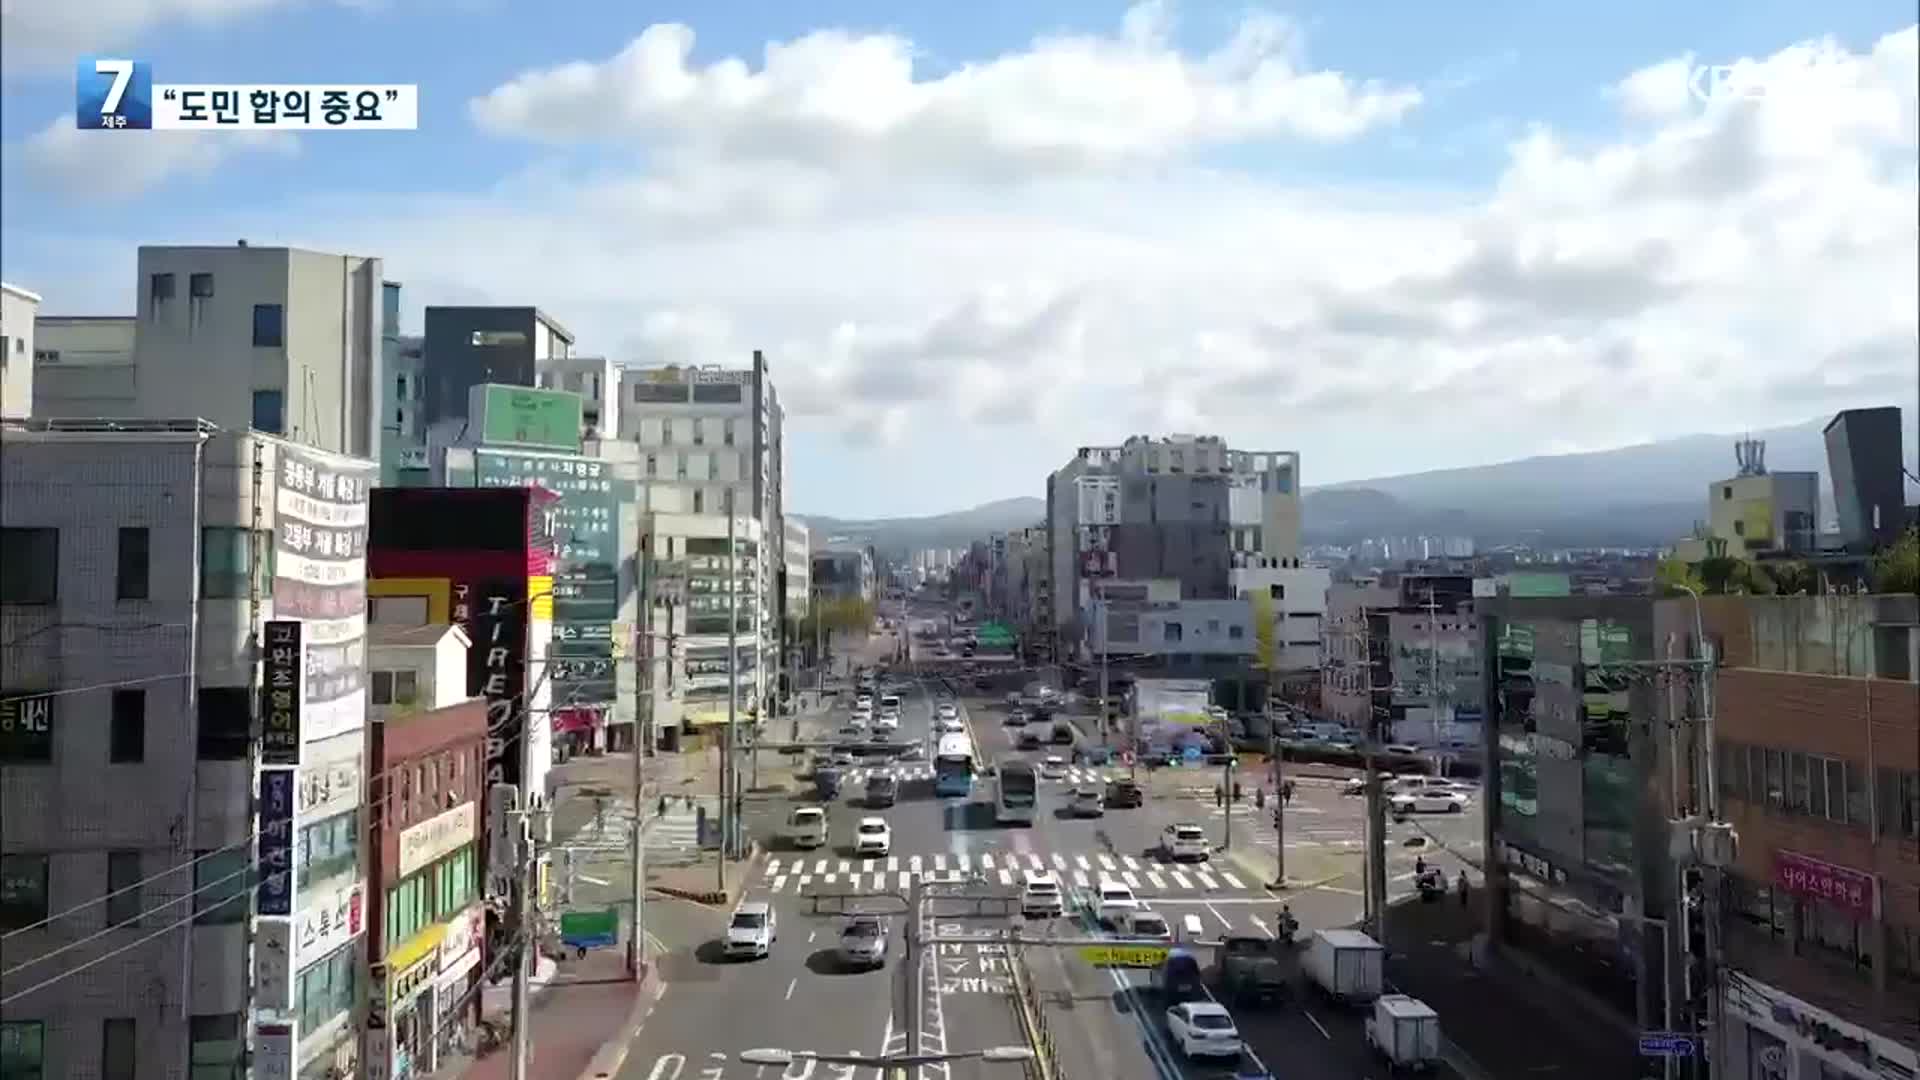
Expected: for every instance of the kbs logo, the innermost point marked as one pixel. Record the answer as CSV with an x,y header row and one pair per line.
x,y
1726,82
111,94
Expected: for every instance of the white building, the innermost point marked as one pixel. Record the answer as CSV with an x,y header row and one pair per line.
x,y
141,561
83,366
799,557
1295,598
688,625
598,382
18,310
414,667
706,435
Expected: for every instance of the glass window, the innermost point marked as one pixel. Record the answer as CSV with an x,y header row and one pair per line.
x,y
226,723
200,286
1799,793
220,883
269,325
327,988
23,890
225,554
23,1049
395,687
327,848
1776,779
127,740
123,892
1834,790
218,1049
1856,788
117,1048
29,566
159,289
131,569
270,411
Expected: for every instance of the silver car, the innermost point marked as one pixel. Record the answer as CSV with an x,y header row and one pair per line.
x,y
864,942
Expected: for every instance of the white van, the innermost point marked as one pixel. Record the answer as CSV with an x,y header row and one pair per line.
x,y
806,827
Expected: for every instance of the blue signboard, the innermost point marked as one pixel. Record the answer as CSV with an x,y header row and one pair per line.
x,y
1191,754
1665,1044
274,895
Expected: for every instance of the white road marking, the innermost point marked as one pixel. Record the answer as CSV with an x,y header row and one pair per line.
x,y
844,867
779,883
1082,862
1232,882
1132,881
1106,862
790,985
1080,878
893,864
1158,881
1224,921
1316,1024
986,861
820,867
939,862
805,880
1206,879
1181,879
1130,862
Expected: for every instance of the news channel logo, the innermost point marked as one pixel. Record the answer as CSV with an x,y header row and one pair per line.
x,y
113,94
1711,83
118,94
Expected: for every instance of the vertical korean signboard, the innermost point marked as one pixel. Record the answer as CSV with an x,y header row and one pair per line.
x,y
282,684
320,579
274,895
586,582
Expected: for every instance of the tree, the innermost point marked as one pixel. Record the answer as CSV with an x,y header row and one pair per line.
x,y
1263,630
1897,570
1674,576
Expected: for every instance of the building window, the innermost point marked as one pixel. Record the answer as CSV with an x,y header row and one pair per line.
x,y
1899,792
1236,632
269,326
666,431
23,1049
680,466
200,286
118,1048
131,576
699,501
226,721
29,566
270,412
713,466
127,739
23,891
220,883
225,555
395,687
1173,631
328,848
726,432
159,291
653,465
430,895
327,988
216,1050
123,888
699,432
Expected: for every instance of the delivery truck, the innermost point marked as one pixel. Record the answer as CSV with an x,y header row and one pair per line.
x,y
1405,1031
1345,965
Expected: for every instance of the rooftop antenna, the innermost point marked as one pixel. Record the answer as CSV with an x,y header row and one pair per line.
x,y
1751,455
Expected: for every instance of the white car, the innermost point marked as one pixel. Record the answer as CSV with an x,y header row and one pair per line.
x,y
872,837
1088,801
1142,923
751,932
887,723
1203,1029
806,827
948,727
1054,767
1041,896
1179,842
947,711
1430,801
1111,898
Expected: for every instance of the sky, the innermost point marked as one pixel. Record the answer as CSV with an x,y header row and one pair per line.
x,y
972,238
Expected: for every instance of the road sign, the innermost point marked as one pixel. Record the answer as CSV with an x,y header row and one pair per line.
x,y
1190,755
1665,1044
590,929
1138,956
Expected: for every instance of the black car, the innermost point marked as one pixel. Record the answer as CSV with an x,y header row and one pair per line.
x,y
1062,733
1029,740
1125,794
882,790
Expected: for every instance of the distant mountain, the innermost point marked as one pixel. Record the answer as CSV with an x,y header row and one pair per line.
x,y
954,530
1636,495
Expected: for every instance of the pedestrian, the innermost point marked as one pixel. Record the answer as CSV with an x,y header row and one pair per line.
x,y
1286,793
1219,795
1461,884
1419,866
662,812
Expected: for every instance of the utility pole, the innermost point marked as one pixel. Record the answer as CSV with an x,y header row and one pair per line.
x,y
1376,869
728,781
1433,679
1279,797
910,992
642,741
1100,614
519,1066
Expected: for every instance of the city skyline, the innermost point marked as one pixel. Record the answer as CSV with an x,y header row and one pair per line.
x,y
1380,231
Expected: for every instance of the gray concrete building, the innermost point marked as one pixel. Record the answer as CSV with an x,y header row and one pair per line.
x,y
467,346
83,366
18,310
1864,460
843,574
1187,508
138,562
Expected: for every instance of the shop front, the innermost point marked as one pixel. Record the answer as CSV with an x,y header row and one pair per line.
x,y
408,1019
456,986
1772,1035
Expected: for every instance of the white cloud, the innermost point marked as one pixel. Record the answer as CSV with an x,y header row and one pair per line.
x,y
1705,267
93,164
46,35
837,98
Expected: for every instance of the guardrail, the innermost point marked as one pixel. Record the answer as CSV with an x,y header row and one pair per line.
x,y
1032,1016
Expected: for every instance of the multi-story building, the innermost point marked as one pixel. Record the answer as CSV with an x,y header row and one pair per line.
x,y
83,366
1817,762
470,346
1185,507
1346,681
697,681
843,574
597,380
799,559
143,568
1757,513
18,311
1864,460
711,440
426,925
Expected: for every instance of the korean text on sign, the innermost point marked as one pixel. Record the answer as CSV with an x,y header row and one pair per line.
x,y
238,107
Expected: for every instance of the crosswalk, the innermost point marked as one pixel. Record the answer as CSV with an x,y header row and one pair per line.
x,y
1073,776
804,875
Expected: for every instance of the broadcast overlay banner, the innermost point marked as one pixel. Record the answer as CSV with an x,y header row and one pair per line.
x,y
118,94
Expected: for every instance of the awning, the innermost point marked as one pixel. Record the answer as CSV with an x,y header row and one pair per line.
x,y
699,718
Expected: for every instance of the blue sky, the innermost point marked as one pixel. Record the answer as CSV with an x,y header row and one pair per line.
x,y
1417,237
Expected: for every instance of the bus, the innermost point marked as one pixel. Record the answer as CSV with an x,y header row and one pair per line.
x,y
953,765
1015,794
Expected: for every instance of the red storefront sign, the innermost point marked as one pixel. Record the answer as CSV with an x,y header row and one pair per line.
x,y
1810,879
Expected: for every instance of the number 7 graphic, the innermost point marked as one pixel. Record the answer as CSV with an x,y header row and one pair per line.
x,y
113,93
122,72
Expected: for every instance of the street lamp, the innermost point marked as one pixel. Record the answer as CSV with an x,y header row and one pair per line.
x,y
774,1055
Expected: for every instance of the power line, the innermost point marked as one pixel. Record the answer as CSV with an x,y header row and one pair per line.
x,y
136,943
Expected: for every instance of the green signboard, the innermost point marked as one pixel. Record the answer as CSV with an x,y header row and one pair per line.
x,y
519,416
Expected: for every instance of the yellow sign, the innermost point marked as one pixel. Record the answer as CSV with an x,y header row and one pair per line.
x,y
540,592
1134,956
437,592
407,964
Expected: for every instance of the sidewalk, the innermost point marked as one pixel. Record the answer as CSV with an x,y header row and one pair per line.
x,y
1505,1023
587,1005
